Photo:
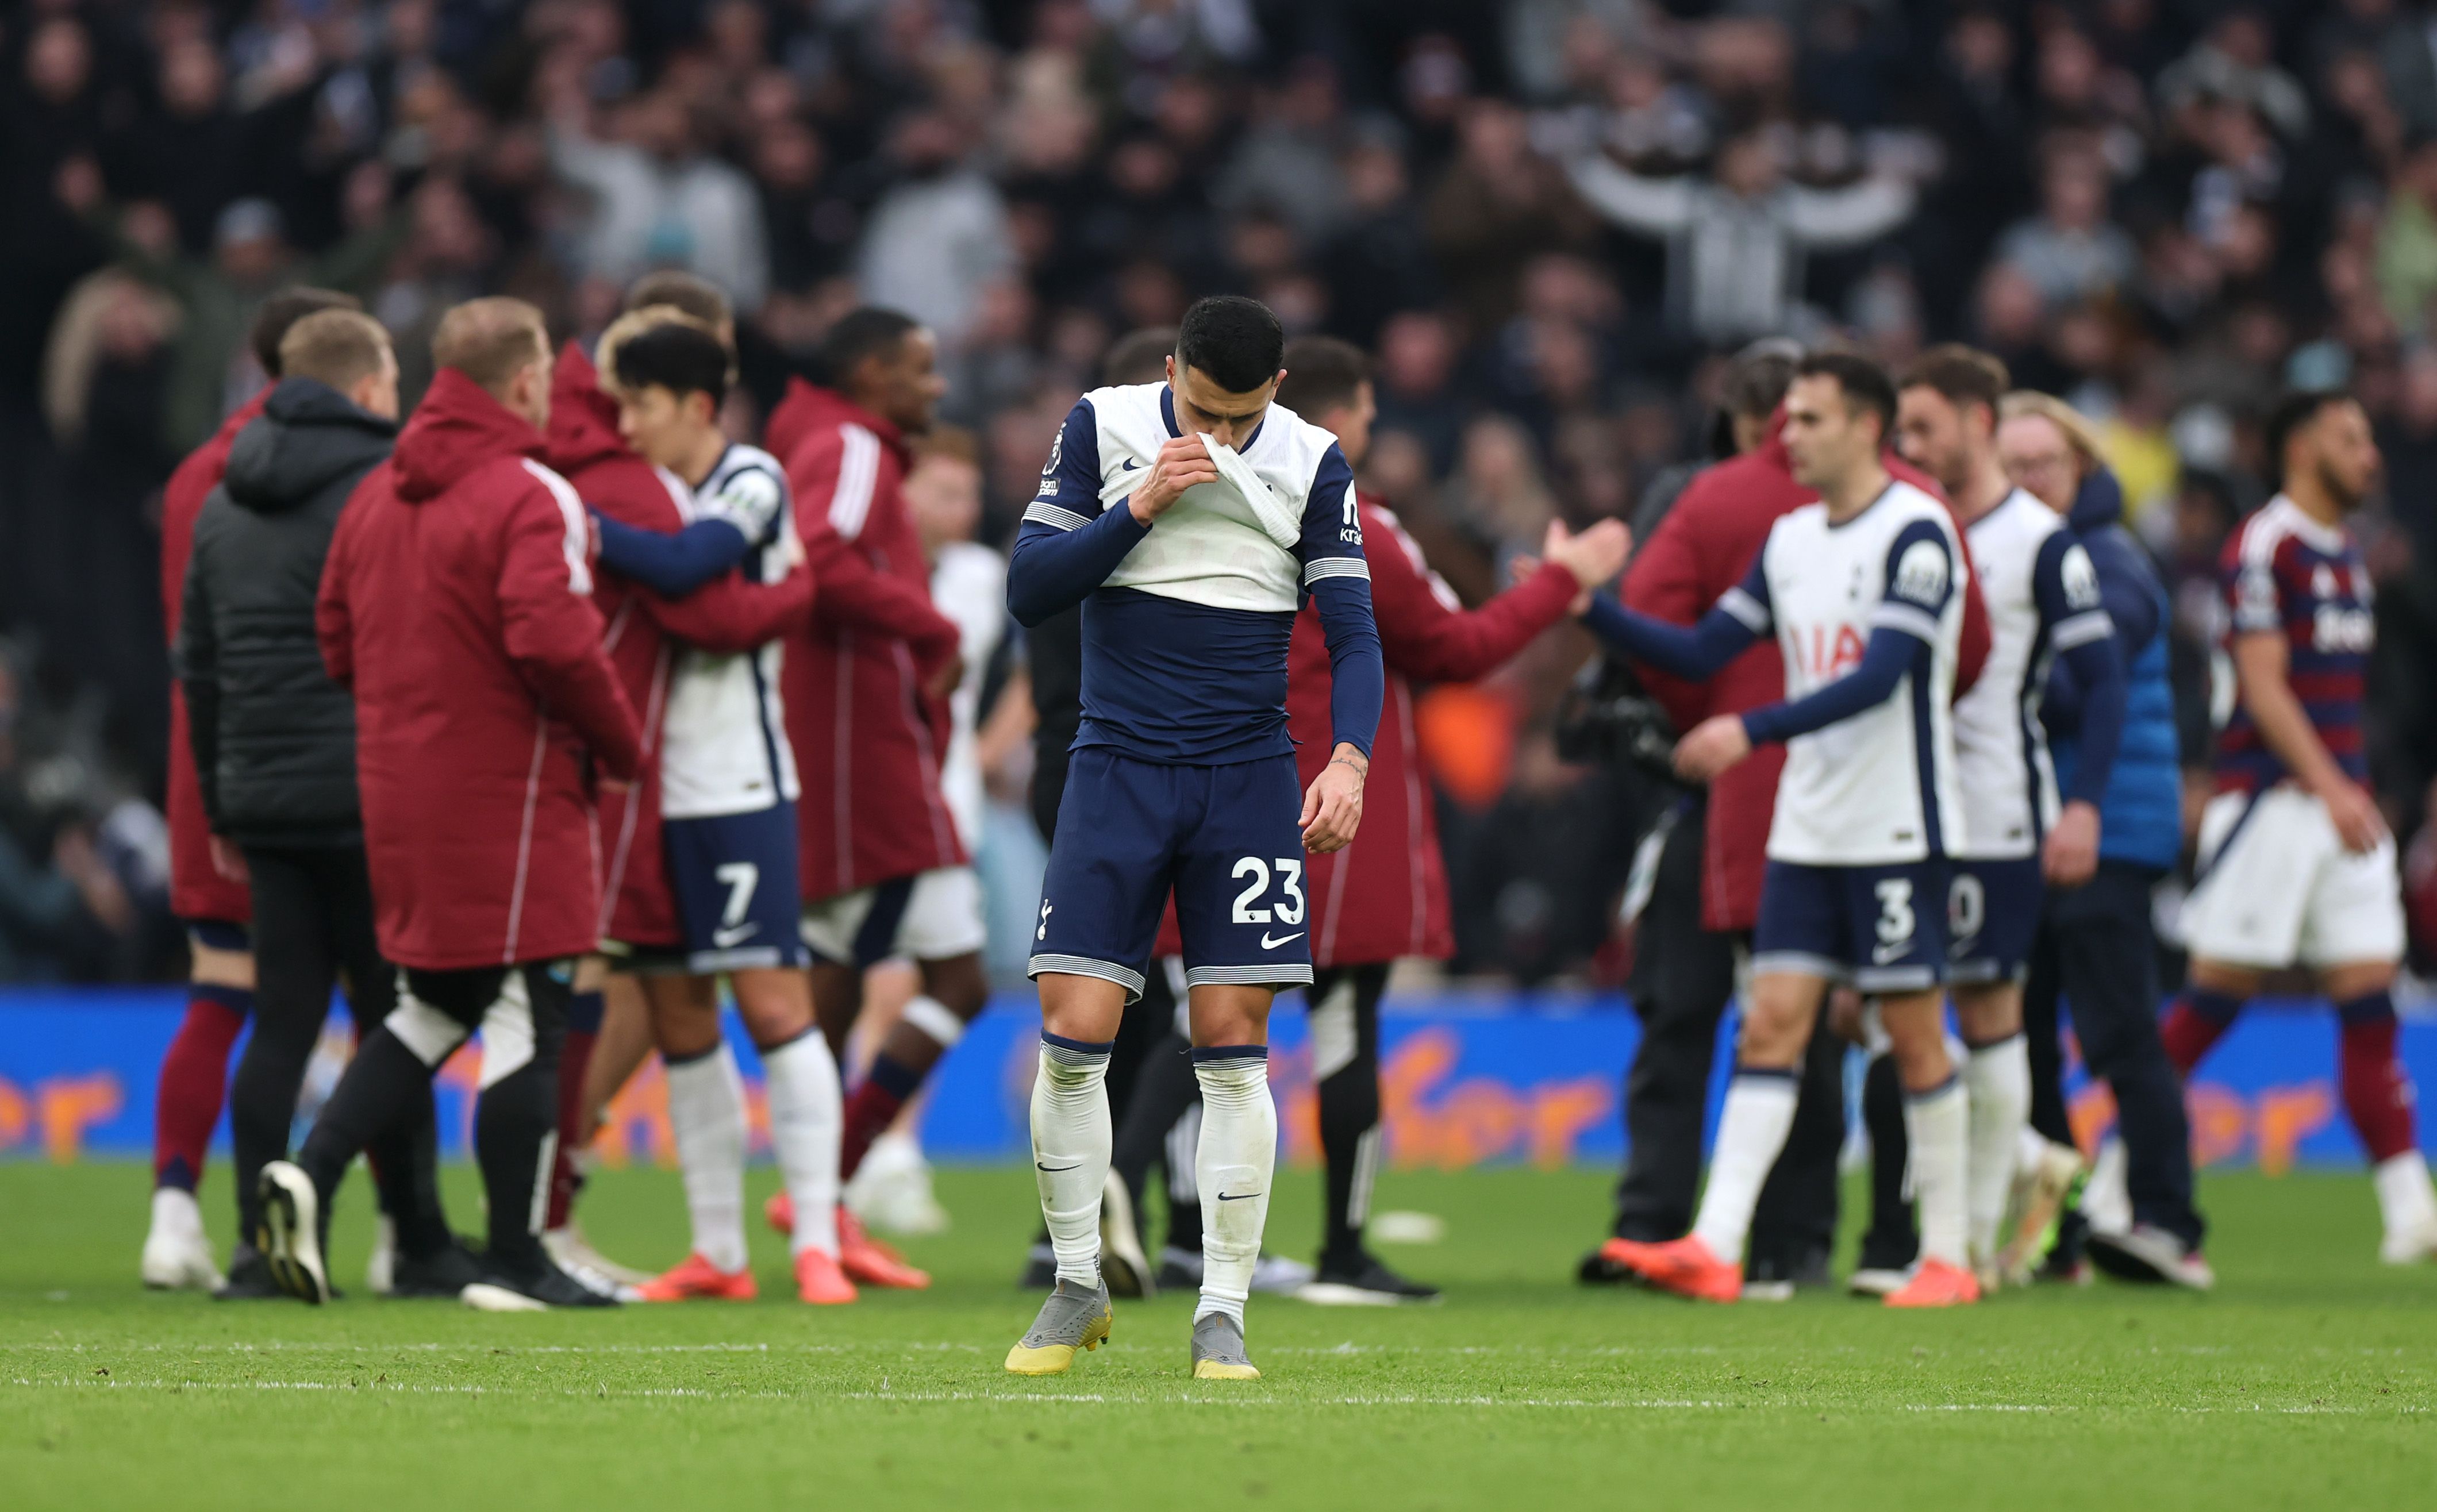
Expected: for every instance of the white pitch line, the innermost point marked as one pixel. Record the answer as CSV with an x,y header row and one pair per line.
x,y
1045,1399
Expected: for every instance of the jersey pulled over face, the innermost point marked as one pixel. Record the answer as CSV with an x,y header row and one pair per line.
x,y
723,740
2042,598
1880,786
2285,574
1185,642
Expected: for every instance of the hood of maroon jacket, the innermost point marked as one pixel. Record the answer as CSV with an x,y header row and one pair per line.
x,y
457,605
584,448
197,889
1704,547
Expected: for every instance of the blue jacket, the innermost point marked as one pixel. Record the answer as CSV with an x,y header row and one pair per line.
x,y
2141,818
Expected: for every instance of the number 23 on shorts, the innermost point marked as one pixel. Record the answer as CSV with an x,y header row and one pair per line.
x,y
1255,874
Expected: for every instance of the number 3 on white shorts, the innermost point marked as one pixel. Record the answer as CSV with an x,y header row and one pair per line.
x,y
741,878
1289,910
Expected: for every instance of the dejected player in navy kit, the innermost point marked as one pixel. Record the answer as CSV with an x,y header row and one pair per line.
x,y
1192,518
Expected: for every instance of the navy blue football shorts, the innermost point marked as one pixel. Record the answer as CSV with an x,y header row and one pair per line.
x,y
737,889
1227,839
1993,911
1880,928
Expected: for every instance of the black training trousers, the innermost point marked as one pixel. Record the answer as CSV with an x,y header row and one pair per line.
x,y
312,924
521,1011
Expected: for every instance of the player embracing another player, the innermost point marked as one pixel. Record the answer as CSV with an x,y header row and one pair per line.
x,y
1192,519
1865,595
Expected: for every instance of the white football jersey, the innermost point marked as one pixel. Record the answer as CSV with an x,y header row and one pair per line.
x,y
723,738
2042,598
1237,543
969,584
1880,787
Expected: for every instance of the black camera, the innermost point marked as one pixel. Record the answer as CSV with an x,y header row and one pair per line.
x,y
1608,717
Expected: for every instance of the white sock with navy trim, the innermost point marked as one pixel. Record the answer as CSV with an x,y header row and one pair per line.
x,y
707,1120
1232,1165
807,1117
1071,1140
1997,1079
1936,1127
1751,1131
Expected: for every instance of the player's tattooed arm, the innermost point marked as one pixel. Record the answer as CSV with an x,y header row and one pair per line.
x,y
1332,807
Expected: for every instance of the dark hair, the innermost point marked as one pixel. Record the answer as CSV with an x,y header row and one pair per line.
x,y
1963,374
680,290
1138,356
1236,342
1866,385
2292,413
860,334
1756,380
285,308
1323,374
681,358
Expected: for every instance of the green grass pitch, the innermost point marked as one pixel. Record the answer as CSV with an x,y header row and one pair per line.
x,y
2307,1379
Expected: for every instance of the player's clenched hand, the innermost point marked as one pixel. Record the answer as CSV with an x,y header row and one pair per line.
x,y
1332,810
2359,823
1180,464
2069,857
1593,556
1715,745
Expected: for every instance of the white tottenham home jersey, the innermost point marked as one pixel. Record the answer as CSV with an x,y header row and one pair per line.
x,y
1228,545
723,739
969,584
1878,787
2042,598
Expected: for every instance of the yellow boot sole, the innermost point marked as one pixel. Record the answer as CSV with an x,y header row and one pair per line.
x,y
1219,1370
1053,1358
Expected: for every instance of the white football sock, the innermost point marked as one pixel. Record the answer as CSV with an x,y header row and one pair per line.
x,y
1071,1139
1752,1131
807,1115
1935,1125
2404,1198
1237,1154
1997,1081
707,1117
2105,1200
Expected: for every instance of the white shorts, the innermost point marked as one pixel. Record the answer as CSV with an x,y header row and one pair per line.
x,y
2277,887
936,916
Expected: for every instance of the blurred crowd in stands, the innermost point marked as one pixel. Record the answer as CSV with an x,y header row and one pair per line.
x,y
1549,220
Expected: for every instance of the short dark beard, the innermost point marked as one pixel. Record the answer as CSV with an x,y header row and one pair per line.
x,y
2346,500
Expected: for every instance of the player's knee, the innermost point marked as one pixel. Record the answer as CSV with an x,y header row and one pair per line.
x,y
958,985
2356,980
2217,976
213,966
1989,1012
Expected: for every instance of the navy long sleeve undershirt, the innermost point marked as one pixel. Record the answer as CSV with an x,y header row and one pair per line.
x,y
1693,652
1698,651
673,565
1358,673
1052,570
1886,659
